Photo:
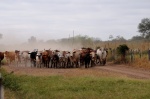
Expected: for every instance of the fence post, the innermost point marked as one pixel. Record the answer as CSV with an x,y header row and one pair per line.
x,y
113,54
149,54
131,56
1,88
140,54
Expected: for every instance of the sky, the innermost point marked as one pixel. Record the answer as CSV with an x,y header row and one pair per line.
x,y
56,19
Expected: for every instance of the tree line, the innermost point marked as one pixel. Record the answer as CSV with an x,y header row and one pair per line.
x,y
143,29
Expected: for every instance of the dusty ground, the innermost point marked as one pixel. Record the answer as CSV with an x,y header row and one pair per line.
x,y
100,71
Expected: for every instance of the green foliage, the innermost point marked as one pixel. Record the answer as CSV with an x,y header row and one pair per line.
x,y
85,41
144,28
137,38
4,62
121,49
10,81
119,38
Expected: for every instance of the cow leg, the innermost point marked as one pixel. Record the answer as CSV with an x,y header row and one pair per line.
x,y
54,64
88,64
47,64
31,63
0,63
34,63
104,61
77,64
85,64
51,64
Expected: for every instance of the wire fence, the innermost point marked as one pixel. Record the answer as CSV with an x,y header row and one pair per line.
x,y
1,88
131,55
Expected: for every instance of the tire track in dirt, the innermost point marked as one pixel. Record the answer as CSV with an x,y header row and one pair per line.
x,y
126,70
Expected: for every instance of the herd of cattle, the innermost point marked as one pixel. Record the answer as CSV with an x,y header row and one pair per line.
x,y
56,59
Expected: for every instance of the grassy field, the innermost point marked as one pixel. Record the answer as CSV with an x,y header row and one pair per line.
x,y
83,87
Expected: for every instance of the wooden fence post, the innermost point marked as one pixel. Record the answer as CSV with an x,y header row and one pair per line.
x,y
113,54
131,56
149,54
140,54
1,88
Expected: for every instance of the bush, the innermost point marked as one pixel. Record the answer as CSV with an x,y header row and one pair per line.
x,y
10,80
4,62
121,50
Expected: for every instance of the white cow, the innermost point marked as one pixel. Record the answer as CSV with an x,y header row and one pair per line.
x,y
25,56
39,59
101,55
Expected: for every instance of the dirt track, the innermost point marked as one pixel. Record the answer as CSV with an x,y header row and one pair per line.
x,y
128,71
100,71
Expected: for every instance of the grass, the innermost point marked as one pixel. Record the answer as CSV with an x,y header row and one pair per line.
x,y
84,87
142,62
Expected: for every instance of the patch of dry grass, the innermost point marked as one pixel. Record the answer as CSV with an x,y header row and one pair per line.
x,y
142,62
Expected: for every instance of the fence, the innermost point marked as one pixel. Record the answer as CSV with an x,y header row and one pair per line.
x,y
139,55
149,54
1,88
131,55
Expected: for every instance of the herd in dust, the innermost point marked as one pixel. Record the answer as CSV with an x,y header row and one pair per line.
x,y
86,57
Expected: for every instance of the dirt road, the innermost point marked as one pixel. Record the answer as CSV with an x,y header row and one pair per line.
x,y
100,71
127,70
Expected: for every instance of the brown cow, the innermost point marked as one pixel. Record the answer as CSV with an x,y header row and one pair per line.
x,y
1,57
18,56
93,57
75,58
46,57
86,57
10,56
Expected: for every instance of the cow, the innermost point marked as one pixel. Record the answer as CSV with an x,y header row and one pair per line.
x,y
10,56
93,58
39,59
101,55
55,59
18,56
33,58
46,57
66,59
75,58
87,57
1,57
63,58
25,57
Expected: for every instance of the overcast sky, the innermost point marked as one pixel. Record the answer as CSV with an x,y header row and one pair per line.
x,y
55,19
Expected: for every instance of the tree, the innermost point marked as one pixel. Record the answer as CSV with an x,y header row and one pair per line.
x,y
119,38
32,39
144,28
111,37
121,50
1,36
136,38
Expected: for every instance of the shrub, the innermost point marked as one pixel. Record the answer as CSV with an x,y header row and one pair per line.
x,y
10,80
121,50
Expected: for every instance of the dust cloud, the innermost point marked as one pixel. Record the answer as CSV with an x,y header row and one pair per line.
x,y
26,46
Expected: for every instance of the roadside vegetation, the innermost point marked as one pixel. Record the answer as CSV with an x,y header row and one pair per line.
x,y
83,87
